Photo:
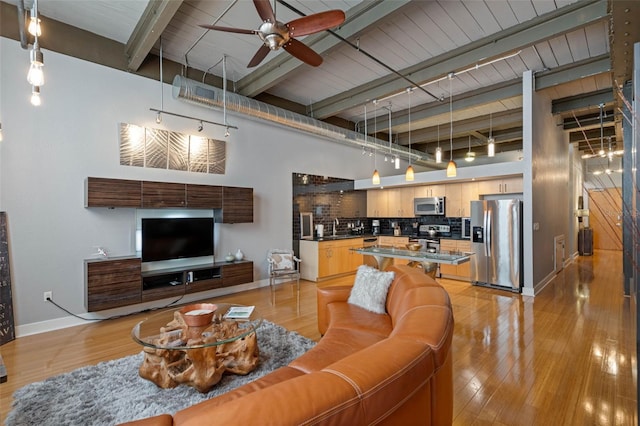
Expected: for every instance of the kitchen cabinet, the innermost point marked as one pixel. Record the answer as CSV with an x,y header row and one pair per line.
x,y
326,259
377,203
429,191
459,197
461,272
396,242
500,186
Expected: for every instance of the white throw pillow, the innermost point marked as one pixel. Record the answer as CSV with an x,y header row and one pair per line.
x,y
370,289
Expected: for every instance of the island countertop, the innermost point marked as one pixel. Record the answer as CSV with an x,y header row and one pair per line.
x,y
450,258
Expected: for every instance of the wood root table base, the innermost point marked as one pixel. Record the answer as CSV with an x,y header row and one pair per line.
x,y
201,367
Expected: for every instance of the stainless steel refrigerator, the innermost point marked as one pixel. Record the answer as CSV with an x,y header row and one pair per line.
x,y
496,240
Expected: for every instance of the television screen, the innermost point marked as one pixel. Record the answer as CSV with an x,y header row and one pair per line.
x,y
176,238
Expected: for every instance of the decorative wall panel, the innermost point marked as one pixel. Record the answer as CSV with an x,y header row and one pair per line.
x,y
163,149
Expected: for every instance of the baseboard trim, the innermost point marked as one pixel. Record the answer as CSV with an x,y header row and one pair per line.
x,y
71,321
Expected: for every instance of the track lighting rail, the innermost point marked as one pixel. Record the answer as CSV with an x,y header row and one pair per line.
x,y
199,120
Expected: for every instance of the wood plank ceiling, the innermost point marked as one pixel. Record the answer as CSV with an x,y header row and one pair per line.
x,y
387,47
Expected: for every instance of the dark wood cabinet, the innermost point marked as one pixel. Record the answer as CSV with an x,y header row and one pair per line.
x,y
237,205
231,204
101,192
163,194
112,283
237,273
204,197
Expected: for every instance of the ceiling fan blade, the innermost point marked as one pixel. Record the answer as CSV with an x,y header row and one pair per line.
x,y
264,10
228,29
259,56
315,23
303,52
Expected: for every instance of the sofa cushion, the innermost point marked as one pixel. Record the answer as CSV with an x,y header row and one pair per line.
x,y
370,289
335,345
387,374
346,315
406,278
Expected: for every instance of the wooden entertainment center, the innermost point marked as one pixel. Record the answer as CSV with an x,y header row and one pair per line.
x,y
117,282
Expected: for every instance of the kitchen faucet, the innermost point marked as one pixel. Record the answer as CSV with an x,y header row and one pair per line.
x,y
335,223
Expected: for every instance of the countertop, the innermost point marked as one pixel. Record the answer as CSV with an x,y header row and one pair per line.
x,y
350,236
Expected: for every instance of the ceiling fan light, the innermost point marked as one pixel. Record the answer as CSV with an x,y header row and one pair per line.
x,y
409,175
376,178
491,147
451,169
439,155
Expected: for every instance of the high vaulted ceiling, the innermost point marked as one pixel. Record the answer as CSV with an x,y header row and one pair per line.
x,y
579,51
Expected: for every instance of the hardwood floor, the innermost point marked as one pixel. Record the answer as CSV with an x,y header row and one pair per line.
x,y
565,357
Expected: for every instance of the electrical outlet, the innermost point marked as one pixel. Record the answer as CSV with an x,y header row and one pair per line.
x,y
48,295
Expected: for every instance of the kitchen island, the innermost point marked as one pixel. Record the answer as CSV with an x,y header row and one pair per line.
x,y
384,256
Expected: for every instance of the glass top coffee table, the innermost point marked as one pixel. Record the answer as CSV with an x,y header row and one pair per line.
x,y
182,349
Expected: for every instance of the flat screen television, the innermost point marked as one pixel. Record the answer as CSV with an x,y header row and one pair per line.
x,y
176,238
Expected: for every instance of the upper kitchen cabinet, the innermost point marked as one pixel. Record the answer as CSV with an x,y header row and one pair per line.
x,y
377,203
400,202
459,197
101,192
429,191
163,194
237,205
500,186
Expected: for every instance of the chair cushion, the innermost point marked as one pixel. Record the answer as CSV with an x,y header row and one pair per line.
x,y
283,261
370,289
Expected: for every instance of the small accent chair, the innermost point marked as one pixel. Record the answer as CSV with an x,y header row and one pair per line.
x,y
283,265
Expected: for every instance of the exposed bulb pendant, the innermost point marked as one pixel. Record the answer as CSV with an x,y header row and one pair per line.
x,y
35,77
451,167
397,163
35,96
601,152
409,175
491,142
1,138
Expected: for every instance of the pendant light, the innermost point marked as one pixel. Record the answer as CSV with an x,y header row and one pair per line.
x,y
451,167
491,143
35,76
35,96
601,152
409,176
470,155
375,179
438,149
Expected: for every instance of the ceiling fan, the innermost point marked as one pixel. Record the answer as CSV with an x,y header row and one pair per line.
x,y
275,34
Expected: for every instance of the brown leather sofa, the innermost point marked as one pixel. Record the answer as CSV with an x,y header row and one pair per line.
x,y
385,369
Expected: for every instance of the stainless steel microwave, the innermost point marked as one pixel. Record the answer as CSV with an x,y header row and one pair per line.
x,y
430,206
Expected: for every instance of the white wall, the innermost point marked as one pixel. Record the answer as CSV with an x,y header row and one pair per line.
x,y
48,152
546,147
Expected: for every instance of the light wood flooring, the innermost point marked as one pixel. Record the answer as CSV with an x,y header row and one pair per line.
x,y
565,357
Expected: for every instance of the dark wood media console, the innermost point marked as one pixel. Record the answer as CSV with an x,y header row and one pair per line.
x,y
117,282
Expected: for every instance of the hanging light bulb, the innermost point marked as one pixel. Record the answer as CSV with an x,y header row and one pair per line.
x,y
451,167
226,132
470,155
1,138
491,142
34,26
409,175
158,117
35,77
35,96
397,162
